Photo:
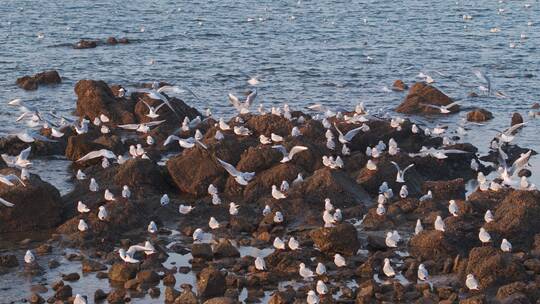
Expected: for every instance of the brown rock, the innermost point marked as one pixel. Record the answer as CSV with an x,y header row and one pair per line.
x,y
43,78
399,85
121,272
148,277
516,119
224,249
422,93
85,44
479,115
92,266
37,205
171,294
210,283
491,266
141,175
99,295
71,277
36,299
63,293
341,239
112,41
116,296
202,251
8,261
445,190
221,300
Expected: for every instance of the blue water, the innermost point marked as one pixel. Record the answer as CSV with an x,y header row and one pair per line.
x,y
334,52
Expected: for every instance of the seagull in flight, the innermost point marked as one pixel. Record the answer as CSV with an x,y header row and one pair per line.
x,y
152,111
344,139
445,109
400,177
243,107
242,178
288,156
20,161
142,127
98,153
483,77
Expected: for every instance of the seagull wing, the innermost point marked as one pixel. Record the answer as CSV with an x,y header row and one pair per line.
x,y
170,89
281,149
129,126
338,130
13,177
430,106
395,165
448,106
159,107
408,167
25,153
25,137
521,161
352,133
251,98
230,168
513,128
6,203
147,105
134,248
234,101
170,139
5,180
296,149
154,123
98,153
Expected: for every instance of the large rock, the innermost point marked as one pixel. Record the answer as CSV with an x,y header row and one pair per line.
x,y
491,266
432,244
43,78
80,145
95,98
341,239
421,94
479,115
122,272
210,283
517,218
37,205
141,175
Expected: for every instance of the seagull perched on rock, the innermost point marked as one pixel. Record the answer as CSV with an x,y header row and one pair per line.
x,y
312,298
102,213
241,178
213,223
339,260
388,270
183,209
127,257
243,107
439,224
29,257
418,228
305,272
278,217
322,289
506,246
392,239
82,208
126,193
400,177
233,208
278,243
453,208
484,236
288,156
152,227
276,194
321,269
148,249
471,282
82,225
260,264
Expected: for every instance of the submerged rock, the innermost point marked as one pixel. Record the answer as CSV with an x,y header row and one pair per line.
x,y
479,115
43,78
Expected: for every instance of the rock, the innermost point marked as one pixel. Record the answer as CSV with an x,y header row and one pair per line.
x,y
8,261
154,292
116,296
44,249
533,265
224,249
267,124
202,251
169,279
445,190
53,264
171,294
430,244
85,44
71,277
92,266
535,105
421,93
341,239
43,78
112,41
147,277
63,293
96,97
99,295
37,205
131,284
210,283
399,85
479,115
186,297
221,300
142,176
121,272
517,218
36,299
516,119
506,291
490,266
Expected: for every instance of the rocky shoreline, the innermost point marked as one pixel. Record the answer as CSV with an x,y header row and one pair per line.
x,y
355,175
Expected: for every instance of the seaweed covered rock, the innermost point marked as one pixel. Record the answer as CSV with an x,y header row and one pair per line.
x,y
420,96
340,239
43,78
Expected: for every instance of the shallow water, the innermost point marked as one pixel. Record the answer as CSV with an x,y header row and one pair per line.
x,y
334,52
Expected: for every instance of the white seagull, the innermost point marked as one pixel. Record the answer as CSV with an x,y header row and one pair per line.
x,y
288,156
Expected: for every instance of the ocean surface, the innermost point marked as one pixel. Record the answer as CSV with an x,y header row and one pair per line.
x,y
337,53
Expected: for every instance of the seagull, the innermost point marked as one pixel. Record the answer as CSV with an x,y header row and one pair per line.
x,y
288,156
19,161
279,244
242,131
9,178
278,217
387,269
30,137
298,179
506,246
418,228
328,205
471,282
337,215
186,143
99,153
243,107
82,225
403,192
312,298
380,210
126,193
233,208
321,269
183,209
427,196
148,249
328,219
102,213
439,224
108,195
453,208
444,109
213,223
483,77
392,239
293,244
29,257
284,186
264,140
276,138
216,200
126,257
260,264
142,127
80,175
488,216
267,210
422,273
79,299
322,289
152,227
276,194
241,178
152,111
82,208
339,260
401,173
370,165
157,93
212,190
484,236
295,132
507,135
305,272
93,185
344,139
